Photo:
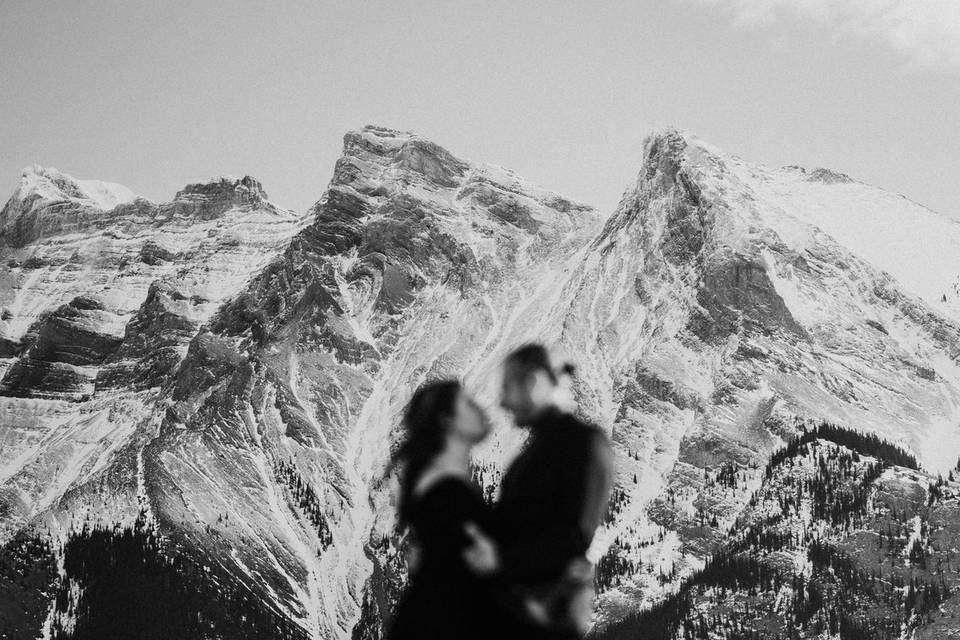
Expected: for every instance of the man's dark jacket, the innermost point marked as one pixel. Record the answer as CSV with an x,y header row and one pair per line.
x,y
552,498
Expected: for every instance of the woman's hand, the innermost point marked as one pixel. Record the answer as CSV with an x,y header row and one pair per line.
x,y
481,556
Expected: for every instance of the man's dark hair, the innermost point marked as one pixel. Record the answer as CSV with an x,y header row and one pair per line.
x,y
532,356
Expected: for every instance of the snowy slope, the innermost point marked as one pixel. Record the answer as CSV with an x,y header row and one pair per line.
x,y
917,246
47,184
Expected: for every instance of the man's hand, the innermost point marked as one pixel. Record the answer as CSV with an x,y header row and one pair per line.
x,y
481,556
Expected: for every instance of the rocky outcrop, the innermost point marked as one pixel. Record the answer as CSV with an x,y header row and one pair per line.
x,y
208,200
736,295
156,254
69,342
828,176
154,341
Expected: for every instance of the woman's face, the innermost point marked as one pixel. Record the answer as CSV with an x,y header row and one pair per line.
x,y
515,393
469,421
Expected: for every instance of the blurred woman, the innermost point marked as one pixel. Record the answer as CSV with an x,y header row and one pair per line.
x,y
437,498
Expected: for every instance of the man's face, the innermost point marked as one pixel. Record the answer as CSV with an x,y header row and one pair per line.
x,y
523,394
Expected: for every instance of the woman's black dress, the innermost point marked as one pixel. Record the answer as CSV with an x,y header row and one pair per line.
x,y
444,600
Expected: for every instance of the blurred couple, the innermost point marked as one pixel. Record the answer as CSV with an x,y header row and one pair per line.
x,y
517,569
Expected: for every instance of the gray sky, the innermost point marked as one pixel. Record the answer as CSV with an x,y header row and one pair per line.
x,y
157,94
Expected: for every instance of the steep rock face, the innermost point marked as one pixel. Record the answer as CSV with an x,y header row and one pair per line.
x,y
737,295
706,314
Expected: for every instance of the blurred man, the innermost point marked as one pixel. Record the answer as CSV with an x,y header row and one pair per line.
x,y
552,500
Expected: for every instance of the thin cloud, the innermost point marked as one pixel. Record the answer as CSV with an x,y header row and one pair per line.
x,y
925,31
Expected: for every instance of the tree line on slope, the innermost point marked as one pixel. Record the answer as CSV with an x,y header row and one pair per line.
x,y
128,582
28,571
735,595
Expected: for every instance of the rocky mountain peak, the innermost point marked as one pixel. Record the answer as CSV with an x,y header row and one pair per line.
x,y
663,151
383,163
241,191
829,176
667,205
210,199
47,199
408,152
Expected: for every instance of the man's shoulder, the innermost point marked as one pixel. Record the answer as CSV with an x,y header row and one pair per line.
x,y
586,435
586,427
596,441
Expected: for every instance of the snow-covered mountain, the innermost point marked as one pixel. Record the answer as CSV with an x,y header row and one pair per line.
x,y
236,373
101,294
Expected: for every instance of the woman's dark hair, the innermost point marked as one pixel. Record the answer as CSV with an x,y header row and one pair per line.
x,y
533,356
425,435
